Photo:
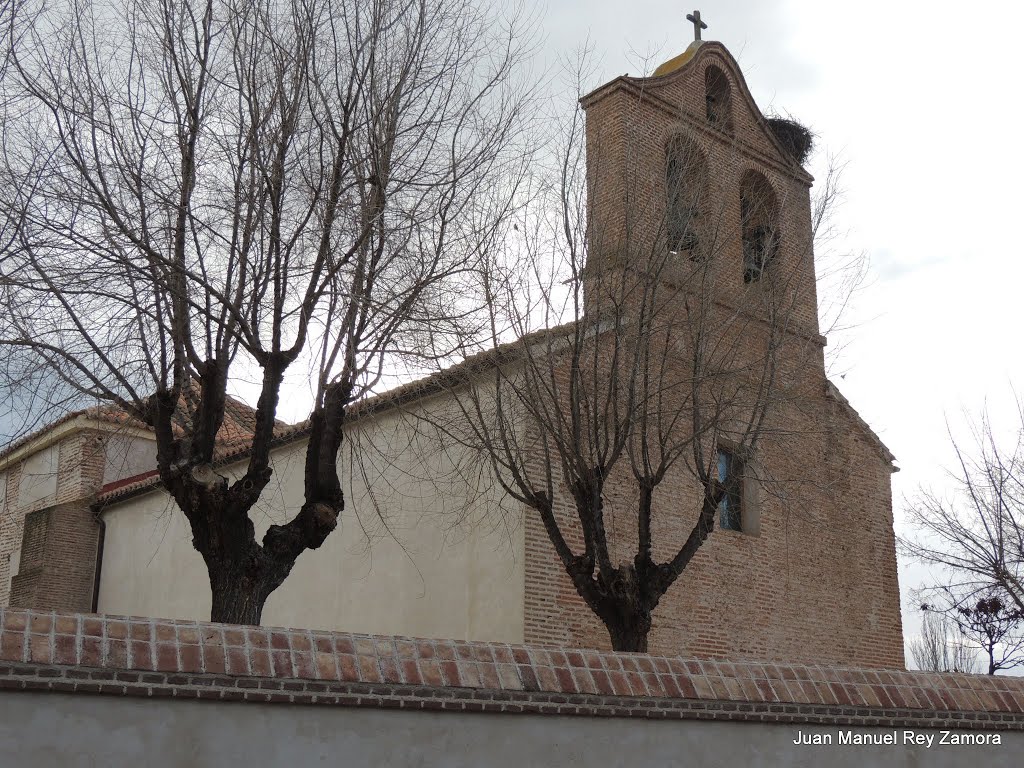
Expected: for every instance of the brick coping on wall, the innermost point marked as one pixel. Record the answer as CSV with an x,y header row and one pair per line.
x,y
131,656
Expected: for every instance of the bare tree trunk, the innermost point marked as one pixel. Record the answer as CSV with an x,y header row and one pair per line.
x,y
624,602
240,591
629,621
630,637
243,573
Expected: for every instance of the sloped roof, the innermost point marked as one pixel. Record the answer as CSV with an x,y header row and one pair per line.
x,y
98,415
874,440
431,384
434,383
236,429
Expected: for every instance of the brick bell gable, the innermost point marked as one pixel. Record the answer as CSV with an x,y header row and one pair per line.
x,y
815,579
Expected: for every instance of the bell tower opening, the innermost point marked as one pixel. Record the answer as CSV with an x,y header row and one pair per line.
x,y
718,99
686,187
758,217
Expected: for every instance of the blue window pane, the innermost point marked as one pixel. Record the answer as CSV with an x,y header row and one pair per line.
x,y
730,471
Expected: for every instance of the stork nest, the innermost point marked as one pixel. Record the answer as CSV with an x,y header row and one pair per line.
x,y
795,138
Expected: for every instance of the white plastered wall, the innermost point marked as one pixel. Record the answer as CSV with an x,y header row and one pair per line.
x,y
126,456
425,547
38,485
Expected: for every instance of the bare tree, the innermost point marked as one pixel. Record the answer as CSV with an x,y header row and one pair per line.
x,y
993,624
988,622
196,193
642,360
937,649
977,533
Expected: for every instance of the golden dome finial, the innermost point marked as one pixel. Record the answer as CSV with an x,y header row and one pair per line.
x,y
675,63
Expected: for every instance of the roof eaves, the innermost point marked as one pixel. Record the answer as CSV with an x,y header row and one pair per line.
x,y
432,384
876,442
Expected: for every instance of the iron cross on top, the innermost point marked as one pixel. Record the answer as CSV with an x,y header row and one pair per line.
x,y
698,25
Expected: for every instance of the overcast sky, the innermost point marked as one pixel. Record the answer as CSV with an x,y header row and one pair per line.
x,y
922,101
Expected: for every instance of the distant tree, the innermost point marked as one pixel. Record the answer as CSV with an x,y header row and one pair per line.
x,y
977,533
194,193
988,622
938,649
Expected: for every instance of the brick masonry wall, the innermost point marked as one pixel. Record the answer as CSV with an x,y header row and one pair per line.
x,y
818,584
629,124
64,579
130,656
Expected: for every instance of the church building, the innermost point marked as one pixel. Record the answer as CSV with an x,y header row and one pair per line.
x,y
801,566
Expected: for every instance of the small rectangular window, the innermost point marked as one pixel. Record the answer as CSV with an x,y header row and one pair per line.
x,y
730,475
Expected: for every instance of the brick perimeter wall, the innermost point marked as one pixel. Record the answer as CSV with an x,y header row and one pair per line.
x,y
129,656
